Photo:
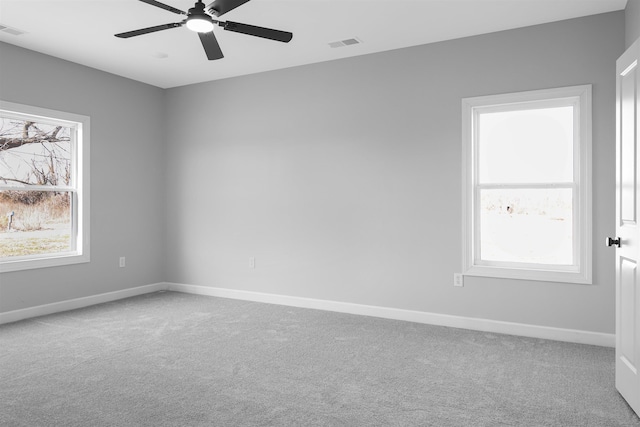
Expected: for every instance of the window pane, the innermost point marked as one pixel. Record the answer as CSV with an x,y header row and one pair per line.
x,y
526,146
33,153
527,226
35,222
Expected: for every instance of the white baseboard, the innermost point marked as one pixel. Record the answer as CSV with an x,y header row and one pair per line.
x,y
56,307
476,324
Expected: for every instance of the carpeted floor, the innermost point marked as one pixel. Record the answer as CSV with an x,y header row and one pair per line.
x,y
171,359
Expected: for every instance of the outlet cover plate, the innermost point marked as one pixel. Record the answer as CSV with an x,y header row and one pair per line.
x,y
458,280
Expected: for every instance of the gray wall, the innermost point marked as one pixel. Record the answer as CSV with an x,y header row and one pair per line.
x,y
632,22
127,202
343,179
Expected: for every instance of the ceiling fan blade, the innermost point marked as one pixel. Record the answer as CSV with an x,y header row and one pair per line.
x,y
164,6
220,7
148,30
210,45
252,30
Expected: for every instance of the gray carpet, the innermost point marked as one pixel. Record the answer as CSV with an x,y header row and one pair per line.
x,y
171,359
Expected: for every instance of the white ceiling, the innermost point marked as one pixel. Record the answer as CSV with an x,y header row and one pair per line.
x,y
82,31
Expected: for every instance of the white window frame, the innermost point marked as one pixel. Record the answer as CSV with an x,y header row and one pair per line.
x,y
79,188
580,98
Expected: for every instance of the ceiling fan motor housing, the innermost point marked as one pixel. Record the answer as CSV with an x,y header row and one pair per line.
x,y
197,9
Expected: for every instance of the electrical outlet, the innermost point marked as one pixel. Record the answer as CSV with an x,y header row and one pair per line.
x,y
252,262
123,262
458,279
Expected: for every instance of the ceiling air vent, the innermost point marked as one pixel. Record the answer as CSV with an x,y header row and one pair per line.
x,y
347,42
12,31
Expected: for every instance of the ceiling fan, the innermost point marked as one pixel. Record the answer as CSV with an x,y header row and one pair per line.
x,y
202,19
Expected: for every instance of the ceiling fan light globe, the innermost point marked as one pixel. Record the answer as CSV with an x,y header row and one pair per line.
x,y
199,24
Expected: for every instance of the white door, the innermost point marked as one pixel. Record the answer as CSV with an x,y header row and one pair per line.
x,y
627,227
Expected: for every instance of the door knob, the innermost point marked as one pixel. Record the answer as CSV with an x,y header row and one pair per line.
x,y
611,241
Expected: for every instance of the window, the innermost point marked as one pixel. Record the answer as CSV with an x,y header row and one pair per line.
x,y
527,185
44,182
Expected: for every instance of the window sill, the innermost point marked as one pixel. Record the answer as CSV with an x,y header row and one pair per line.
x,y
42,262
540,275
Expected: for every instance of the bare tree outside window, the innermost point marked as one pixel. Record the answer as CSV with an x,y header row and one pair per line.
x,y
36,173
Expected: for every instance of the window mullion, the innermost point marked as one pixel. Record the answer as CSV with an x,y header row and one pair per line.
x,y
526,186
52,188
